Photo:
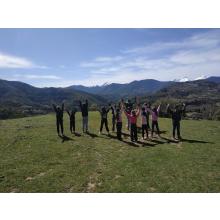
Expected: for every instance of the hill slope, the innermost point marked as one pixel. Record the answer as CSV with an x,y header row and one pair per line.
x,y
120,90
35,159
202,98
20,97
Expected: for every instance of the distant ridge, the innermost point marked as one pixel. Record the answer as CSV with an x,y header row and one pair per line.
x,y
141,87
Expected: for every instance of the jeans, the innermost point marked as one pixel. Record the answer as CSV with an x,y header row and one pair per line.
x,y
59,125
85,123
72,126
176,127
144,130
133,132
155,124
104,121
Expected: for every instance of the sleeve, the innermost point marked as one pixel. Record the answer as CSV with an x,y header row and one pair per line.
x,y
63,107
158,109
126,114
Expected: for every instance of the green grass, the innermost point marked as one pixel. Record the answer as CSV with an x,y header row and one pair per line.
x,y
35,159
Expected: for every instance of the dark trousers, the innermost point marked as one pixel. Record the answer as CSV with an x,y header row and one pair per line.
x,y
59,125
72,126
176,127
119,128
104,121
155,124
144,130
113,123
133,132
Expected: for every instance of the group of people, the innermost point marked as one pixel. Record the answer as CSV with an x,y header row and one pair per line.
x,y
131,110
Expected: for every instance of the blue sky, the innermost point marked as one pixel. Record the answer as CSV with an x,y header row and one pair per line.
x,y
63,57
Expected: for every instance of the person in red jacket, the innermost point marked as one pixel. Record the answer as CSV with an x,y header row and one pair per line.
x,y
133,123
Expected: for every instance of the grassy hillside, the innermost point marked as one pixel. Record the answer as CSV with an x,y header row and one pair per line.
x,y
19,99
35,159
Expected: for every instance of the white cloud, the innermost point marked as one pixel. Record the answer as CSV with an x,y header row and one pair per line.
x,y
32,76
191,57
10,61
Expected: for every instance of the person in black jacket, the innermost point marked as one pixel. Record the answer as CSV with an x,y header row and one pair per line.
x,y
176,115
84,110
59,118
72,120
104,119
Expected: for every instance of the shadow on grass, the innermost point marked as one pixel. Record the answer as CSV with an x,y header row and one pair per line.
x,y
133,144
186,140
65,138
144,144
195,141
125,134
169,140
92,135
139,130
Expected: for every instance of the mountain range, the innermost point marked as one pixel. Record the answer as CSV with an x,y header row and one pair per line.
x,y
20,99
141,87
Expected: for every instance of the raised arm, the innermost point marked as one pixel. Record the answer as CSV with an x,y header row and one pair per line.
x,y
54,107
138,111
68,112
126,113
62,107
158,109
168,109
183,108
87,103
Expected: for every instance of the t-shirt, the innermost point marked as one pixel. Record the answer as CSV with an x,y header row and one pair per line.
x,y
132,118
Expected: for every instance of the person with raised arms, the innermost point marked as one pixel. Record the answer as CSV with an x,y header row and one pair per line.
x,y
128,106
154,116
59,117
176,115
84,110
144,122
118,118
132,117
72,119
104,119
113,109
